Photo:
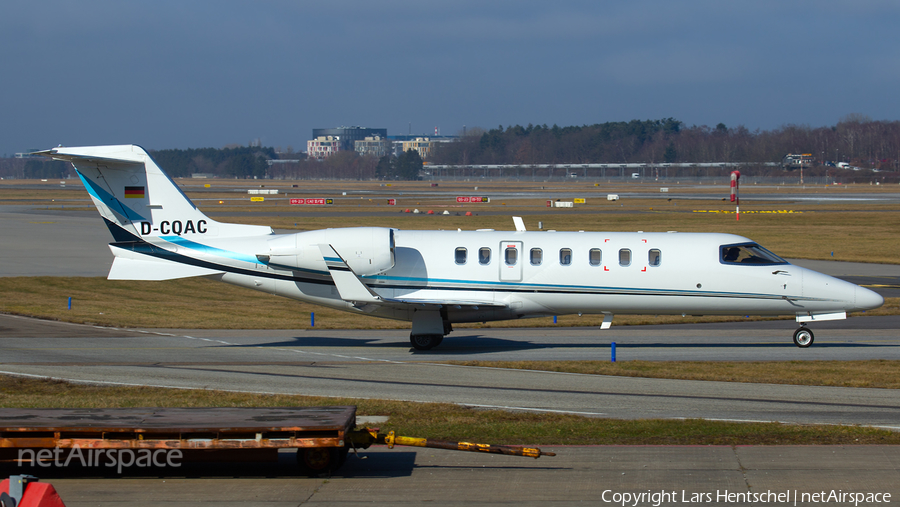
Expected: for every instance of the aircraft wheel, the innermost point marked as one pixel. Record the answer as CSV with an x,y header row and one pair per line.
x,y
425,341
803,337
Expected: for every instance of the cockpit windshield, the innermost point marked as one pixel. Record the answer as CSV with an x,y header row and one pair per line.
x,y
748,253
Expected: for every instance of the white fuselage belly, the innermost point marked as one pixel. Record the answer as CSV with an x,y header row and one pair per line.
x,y
688,279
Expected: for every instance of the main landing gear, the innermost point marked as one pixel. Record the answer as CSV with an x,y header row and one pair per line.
x,y
425,341
803,337
428,341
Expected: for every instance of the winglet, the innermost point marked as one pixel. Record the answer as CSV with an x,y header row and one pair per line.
x,y
349,286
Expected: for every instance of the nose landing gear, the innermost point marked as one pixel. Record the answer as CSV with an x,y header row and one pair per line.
x,y
803,337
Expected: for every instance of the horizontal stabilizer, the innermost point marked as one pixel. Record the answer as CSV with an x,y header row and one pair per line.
x,y
156,270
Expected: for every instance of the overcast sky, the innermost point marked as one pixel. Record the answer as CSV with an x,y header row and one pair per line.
x,y
190,74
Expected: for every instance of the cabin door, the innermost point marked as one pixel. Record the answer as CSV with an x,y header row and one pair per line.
x,y
511,261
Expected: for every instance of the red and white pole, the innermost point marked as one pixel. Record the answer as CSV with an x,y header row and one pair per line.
x,y
735,198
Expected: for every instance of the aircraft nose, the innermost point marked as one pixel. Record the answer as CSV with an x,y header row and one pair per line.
x,y
867,299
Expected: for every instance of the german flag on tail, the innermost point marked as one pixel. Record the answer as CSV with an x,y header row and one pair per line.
x,y
134,192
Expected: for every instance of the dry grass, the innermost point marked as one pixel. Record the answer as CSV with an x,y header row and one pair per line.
x,y
876,373
453,422
188,303
854,231
197,303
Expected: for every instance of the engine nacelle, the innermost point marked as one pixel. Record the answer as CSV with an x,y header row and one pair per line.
x,y
367,250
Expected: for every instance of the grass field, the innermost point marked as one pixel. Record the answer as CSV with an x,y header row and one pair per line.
x,y
860,231
453,422
197,303
872,374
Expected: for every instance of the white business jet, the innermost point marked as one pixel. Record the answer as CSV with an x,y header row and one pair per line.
x,y
436,278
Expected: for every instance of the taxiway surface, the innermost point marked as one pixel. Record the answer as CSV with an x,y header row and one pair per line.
x,y
381,364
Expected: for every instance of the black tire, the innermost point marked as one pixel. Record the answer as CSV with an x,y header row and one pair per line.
x,y
425,341
803,337
317,461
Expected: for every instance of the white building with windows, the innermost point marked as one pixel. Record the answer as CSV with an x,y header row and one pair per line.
x,y
322,147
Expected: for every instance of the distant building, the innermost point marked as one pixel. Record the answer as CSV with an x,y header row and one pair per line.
x,y
376,146
797,161
423,145
322,147
347,136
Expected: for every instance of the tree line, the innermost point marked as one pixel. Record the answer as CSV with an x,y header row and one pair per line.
x,y
230,162
855,139
350,165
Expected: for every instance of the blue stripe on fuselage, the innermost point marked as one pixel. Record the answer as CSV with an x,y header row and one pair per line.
x,y
199,247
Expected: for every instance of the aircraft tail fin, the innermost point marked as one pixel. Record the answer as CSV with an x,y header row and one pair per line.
x,y
137,198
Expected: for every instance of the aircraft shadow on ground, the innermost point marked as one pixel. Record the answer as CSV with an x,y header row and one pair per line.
x,y
462,345
467,344
323,341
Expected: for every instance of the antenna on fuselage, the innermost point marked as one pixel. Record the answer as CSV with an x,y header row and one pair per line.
x,y
520,224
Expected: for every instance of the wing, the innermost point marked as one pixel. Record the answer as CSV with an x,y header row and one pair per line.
x,y
353,290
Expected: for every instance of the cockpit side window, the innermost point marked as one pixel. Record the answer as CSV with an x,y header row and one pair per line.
x,y
748,253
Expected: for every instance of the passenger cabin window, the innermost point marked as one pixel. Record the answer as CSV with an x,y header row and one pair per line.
x,y
537,256
565,256
749,253
511,256
624,257
595,256
461,255
655,257
484,255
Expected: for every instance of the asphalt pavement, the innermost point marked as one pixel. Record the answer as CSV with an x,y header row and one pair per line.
x,y
381,364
